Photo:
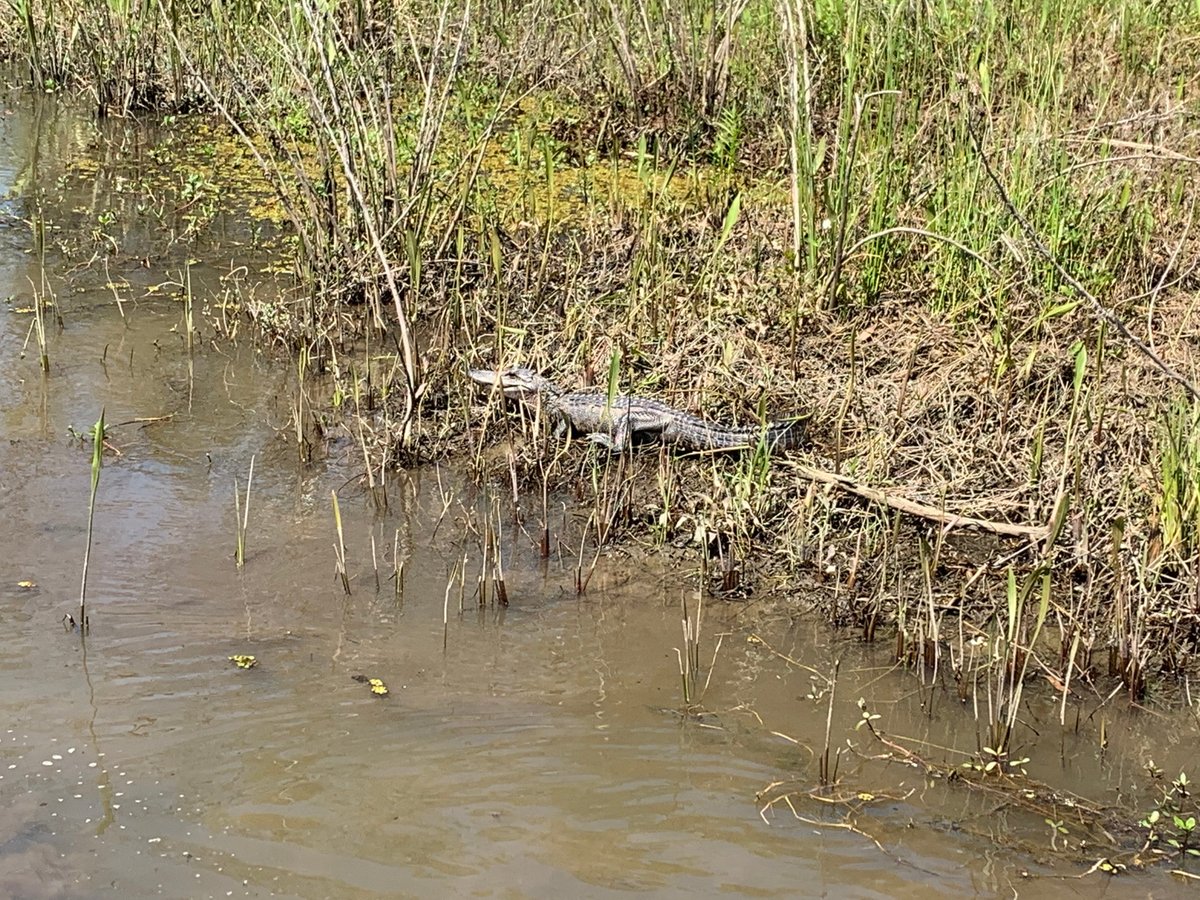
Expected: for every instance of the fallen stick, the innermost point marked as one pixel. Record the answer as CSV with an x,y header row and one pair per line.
x,y
922,510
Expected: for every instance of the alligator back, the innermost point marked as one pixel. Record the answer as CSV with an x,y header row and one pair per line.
x,y
617,423
694,433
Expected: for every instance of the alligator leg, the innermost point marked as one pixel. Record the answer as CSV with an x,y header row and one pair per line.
x,y
621,436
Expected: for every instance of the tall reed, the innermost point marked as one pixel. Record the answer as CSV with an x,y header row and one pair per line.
x,y
98,437
241,521
339,548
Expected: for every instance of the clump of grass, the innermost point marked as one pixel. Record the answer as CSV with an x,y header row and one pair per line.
x,y
1014,643
690,666
1178,500
689,656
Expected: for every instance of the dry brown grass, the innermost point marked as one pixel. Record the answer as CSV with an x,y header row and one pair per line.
x,y
949,412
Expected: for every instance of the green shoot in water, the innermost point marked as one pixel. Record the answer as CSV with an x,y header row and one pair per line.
x,y
241,519
97,462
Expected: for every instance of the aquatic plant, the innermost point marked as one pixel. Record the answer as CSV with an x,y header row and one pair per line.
x,y
1171,825
41,291
241,517
98,437
397,570
339,548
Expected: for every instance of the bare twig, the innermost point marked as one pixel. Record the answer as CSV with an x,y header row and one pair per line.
x,y
1102,311
921,510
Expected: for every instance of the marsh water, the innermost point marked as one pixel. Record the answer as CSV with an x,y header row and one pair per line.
x,y
532,750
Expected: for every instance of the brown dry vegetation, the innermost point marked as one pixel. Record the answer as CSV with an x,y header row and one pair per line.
x,y
758,207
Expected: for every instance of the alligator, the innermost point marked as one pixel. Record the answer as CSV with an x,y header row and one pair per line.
x,y
615,422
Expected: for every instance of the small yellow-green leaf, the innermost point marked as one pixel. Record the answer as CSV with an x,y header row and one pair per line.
x,y
1060,309
731,217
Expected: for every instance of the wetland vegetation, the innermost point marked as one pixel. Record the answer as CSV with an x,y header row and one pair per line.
x,y
961,236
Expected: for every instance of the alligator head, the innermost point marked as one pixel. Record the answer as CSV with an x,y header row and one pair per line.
x,y
516,383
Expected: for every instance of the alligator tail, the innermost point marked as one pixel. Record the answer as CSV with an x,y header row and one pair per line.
x,y
787,434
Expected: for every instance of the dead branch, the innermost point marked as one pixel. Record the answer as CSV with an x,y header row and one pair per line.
x,y
921,510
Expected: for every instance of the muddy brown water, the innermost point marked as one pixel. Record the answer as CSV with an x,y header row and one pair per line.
x,y
527,751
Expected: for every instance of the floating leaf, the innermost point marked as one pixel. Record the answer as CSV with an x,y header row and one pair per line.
x,y
27,584
243,661
377,685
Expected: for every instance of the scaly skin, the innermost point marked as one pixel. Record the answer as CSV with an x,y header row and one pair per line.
x,y
614,424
